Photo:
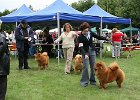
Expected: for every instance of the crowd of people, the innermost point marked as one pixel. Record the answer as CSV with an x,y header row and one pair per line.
x,y
80,41
25,39
47,39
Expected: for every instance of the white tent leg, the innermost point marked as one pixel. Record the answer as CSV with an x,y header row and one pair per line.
x,y
58,26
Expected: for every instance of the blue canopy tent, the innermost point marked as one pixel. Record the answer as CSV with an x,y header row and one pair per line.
x,y
106,17
50,12
65,12
95,10
13,17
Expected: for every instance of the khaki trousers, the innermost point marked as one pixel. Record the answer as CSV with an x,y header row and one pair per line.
x,y
68,55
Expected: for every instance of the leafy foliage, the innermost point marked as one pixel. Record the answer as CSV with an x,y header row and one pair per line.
x,y
83,5
132,10
123,8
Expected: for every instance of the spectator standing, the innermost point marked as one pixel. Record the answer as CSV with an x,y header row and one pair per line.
x,y
48,41
23,35
135,39
116,41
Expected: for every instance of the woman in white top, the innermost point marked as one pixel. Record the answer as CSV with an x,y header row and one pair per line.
x,y
68,45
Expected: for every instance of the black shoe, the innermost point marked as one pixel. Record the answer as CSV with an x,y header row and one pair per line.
x,y
27,67
93,83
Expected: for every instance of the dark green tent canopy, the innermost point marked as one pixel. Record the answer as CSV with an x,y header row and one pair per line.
x,y
128,29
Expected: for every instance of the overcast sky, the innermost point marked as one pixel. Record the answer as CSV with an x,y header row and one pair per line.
x,y
36,4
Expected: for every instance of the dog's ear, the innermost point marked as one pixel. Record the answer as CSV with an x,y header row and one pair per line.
x,y
99,65
80,58
38,54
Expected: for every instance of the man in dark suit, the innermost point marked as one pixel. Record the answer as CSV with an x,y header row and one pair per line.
x,y
23,36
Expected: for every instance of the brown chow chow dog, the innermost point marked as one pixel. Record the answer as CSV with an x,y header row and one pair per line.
x,y
78,63
109,74
42,60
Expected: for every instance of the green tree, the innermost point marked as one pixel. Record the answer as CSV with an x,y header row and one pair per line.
x,y
123,8
83,5
5,12
7,26
114,7
132,10
30,6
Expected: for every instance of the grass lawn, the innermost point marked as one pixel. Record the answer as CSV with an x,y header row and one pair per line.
x,y
53,84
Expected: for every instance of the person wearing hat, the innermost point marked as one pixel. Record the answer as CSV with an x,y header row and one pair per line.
x,y
23,35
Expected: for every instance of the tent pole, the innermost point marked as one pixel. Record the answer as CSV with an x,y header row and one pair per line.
x,y
130,31
16,23
101,51
0,23
58,27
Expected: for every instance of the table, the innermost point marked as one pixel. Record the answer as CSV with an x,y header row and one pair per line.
x,y
136,47
12,47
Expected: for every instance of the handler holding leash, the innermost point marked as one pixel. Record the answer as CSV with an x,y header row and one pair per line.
x,y
87,50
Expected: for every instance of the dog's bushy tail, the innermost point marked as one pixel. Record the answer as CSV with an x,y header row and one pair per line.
x,y
114,66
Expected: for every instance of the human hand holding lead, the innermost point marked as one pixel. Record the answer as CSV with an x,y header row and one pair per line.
x,y
86,57
26,37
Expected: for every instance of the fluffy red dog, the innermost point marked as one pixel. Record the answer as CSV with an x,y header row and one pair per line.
x,y
42,59
109,74
78,64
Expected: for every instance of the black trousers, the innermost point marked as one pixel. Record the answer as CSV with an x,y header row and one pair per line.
x,y
22,58
47,48
3,86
